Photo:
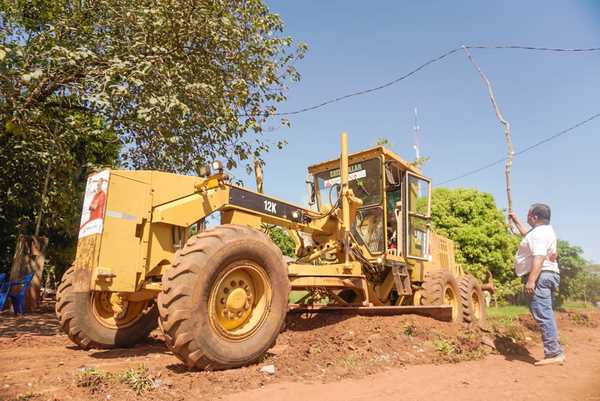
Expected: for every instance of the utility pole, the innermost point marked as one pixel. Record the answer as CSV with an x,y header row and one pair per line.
x,y
417,130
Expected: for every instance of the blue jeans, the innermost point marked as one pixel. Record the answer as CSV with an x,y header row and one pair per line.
x,y
540,305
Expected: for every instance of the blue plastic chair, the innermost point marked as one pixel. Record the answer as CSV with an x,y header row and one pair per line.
x,y
18,300
4,289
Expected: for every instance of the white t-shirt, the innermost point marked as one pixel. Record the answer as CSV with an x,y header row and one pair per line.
x,y
540,241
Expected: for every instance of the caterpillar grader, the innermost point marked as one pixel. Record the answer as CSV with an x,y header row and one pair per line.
x,y
220,295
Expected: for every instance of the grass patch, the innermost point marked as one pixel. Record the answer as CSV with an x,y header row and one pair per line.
x,y
576,305
508,311
464,347
26,396
350,362
139,380
409,329
95,380
444,346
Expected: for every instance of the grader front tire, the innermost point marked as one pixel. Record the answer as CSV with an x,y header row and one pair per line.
x,y
473,303
89,321
224,300
441,288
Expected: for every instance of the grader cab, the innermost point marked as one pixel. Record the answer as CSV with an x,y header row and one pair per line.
x,y
221,295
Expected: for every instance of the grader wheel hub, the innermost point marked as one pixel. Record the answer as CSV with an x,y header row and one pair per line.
x,y
236,301
113,311
450,299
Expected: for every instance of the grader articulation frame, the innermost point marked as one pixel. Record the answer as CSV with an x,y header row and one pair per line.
x,y
221,295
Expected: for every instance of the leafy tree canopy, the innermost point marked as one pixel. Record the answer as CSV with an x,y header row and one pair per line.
x,y
282,239
179,82
145,84
573,272
472,220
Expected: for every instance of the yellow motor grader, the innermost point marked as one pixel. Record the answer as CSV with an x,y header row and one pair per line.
x,y
221,295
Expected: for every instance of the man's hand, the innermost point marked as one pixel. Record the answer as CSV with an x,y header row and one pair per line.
x,y
529,288
512,217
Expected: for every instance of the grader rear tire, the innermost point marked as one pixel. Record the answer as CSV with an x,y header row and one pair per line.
x,y
225,298
90,323
441,288
473,303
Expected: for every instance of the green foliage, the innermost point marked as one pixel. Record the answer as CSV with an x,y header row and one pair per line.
x,y
577,280
159,84
471,219
444,346
593,288
139,380
68,153
282,239
508,311
96,380
383,142
420,161
179,82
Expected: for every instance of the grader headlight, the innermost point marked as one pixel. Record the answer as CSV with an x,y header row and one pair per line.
x,y
217,166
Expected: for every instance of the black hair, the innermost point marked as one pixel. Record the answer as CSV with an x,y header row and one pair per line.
x,y
541,212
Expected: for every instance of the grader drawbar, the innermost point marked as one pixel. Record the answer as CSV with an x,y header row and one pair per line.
x,y
220,295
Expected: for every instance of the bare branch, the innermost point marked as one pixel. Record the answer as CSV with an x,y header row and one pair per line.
x,y
506,126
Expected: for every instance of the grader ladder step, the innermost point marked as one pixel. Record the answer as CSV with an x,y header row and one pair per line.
x,y
401,278
439,312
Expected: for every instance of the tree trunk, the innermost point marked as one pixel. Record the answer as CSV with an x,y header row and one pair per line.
x,y
30,255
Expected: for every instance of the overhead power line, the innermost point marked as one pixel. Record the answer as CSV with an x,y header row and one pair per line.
x,y
527,149
417,69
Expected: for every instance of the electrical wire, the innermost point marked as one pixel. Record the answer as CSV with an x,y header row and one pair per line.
x,y
527,149
414,71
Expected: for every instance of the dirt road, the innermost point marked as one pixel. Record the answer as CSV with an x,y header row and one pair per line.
x,y
320,358
492,379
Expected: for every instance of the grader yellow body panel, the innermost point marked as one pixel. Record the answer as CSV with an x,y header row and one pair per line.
x,y
145,254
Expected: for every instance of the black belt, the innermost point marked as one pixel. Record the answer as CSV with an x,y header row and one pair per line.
x,y
526,276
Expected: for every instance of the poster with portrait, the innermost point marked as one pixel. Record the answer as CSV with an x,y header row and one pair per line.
x,y
94,204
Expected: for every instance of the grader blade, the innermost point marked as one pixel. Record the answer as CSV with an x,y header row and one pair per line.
x,y
439,312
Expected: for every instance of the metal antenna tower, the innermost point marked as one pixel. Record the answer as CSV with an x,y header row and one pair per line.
x,y
417,130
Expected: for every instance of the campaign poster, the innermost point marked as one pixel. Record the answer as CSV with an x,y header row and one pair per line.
x,y
94,204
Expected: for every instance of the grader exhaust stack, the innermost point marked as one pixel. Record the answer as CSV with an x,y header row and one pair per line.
x,y
221,295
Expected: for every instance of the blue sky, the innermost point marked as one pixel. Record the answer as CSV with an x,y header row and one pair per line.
x,y
356,45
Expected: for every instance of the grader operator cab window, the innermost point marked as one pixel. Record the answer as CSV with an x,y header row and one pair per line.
x,y
393,196
365,181
419,215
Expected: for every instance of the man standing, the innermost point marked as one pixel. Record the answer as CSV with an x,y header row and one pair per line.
x,y
536,264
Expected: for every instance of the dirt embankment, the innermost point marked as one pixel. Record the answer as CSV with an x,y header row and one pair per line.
x,y
39,363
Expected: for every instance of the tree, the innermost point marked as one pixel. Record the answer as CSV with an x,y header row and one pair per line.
x,y
179,82
573,273
162,84
593,288
471,219
282,239
64,158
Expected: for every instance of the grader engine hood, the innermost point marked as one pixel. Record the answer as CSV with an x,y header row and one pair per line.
x,y
134,221
115,208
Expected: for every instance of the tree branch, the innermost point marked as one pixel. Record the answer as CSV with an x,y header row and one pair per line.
x,y
506,126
